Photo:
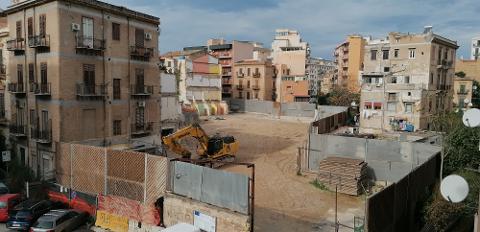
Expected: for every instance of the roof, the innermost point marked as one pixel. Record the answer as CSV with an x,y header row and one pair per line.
x,y
5,197
90,3
182,53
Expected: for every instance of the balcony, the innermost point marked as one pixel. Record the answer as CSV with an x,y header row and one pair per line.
x,y
16,45
141,53
42,135
142,128
255,87
91,91
16,88
240,75
39,41
444,64
90,45
18,129
141,90
463,91
227,74
239,87
41,89
256,75
227,81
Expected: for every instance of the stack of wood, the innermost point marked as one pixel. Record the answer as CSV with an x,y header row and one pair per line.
x,y
346,174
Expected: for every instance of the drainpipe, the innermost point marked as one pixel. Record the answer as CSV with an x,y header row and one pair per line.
x,y
105,118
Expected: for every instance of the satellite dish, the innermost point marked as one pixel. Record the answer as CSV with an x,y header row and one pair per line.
x,y
454,188
471,118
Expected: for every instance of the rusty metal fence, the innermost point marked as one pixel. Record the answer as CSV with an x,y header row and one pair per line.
x,y
99,170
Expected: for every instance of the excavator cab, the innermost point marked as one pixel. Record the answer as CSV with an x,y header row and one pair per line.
x,y
215,144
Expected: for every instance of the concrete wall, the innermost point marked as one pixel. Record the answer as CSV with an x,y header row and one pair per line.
x,y
298,109
180,209
387,160
168,83
240,105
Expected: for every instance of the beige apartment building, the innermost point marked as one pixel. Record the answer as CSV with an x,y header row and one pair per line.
x,y
462,92
471,68
79,70
407,81
4,98
254,79
349,59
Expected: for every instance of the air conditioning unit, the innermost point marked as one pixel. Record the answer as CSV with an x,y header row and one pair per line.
x,y
379,85
141,104
75,27
148,36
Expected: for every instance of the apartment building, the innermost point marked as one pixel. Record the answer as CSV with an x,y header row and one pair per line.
x,y
228,54
200,81
349,59
4,98
289,49
407,81
317,69
79,70
170,109
475,49
254,79
462,92
471,68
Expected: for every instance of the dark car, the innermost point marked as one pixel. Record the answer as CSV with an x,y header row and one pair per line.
x,y
26,213
60,220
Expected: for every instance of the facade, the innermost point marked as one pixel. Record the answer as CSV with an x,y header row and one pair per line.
x,y
228,54
79,70
289,49
317,69
471,68
475,50
407,81
170,110
462,92
254,79
349,59
4,97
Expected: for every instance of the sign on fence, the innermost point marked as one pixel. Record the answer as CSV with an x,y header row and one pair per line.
x,y
6,157
204,222
110,221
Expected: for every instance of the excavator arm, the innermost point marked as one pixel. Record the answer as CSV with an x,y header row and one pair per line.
x,y
172,141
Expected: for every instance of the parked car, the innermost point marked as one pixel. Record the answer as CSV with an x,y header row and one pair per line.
x,y
7,203
59,220
26,213
3,188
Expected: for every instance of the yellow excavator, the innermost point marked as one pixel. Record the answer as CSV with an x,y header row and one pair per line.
x,y
211,148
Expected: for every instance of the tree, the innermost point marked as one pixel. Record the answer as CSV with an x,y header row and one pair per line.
x,y
342,97
460,74
476,94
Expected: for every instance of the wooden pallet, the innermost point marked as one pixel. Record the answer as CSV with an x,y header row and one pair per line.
x,y
345,174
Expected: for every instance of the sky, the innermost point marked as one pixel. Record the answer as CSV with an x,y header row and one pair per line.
x,y
321,23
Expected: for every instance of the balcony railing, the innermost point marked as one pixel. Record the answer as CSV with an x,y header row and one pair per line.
x,y
239,87
90,43
256,75
227,74
255,87
18,129
39,41
241,75
142,128
91,90
141,53
463,91
44,89
143,90
42,135
16,88
16,44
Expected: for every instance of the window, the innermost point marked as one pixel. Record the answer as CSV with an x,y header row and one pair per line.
x,y
411,53
248,84
248,95
117,127
42,25
392,97
240,95
393,80
44,124
248,71
115,31
19,29
439,61
392,106
30,26
385,54
367,105
116,89
377,105
43,77
408,107
386,69
20,75
31,73
139,38
406,79
256,95
256,70
395,53
373,54
89,78
33,117
462,89
431,78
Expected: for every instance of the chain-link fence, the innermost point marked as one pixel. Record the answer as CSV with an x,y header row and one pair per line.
x,y
99,170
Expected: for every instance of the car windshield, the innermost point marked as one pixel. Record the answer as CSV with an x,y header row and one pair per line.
x,y
3,190
22,214
41,224
3,205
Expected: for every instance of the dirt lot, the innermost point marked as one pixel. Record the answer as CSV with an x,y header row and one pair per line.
x,y
284,200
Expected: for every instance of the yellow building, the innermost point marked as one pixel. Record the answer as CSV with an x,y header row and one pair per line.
x,y
349,60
